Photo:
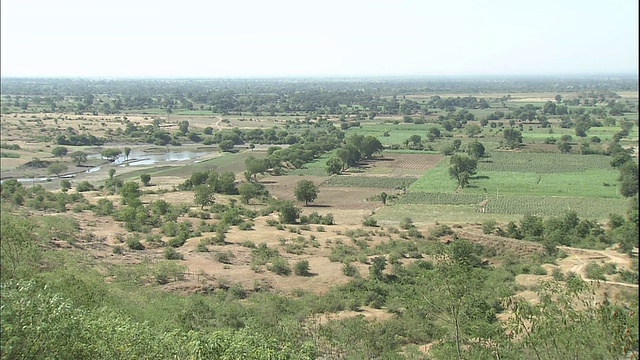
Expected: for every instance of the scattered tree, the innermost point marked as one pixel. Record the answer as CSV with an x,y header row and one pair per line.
x,y
59,151
204,195
306,191
462,168
78,157
513,138
145,178
57,168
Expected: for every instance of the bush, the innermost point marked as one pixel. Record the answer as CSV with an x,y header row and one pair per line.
x,y
248,244
170,253
369,221
201,247
595,271
489,226
557,274
245,225
224,257
301,268
350,270
440,230
133,242
280,266
84,186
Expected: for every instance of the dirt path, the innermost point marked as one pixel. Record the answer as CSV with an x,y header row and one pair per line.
x,y
576,262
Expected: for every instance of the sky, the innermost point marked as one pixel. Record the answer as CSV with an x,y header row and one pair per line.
x,y
328,38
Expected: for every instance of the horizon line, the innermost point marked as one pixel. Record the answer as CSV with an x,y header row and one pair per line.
x,y
320,77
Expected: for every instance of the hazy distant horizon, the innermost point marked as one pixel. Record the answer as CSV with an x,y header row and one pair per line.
x,y
330,39
494,77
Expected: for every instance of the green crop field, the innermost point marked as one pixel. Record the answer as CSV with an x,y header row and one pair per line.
x,y
520,182
369,181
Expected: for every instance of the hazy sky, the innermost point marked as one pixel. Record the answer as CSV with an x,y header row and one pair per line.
x,y
274,38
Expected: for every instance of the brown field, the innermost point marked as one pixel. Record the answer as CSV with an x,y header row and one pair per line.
x,y
399,162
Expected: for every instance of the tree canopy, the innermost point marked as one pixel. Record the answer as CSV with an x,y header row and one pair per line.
x,y
306,191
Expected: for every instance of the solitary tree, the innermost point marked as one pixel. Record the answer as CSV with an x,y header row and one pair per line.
x,y
462,167
513,138
59,151
183,126
145,178
127,151
78,157
57,168
203,195
306,191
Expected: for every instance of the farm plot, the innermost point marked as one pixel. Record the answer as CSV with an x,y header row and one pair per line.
x,y
543,163
591,208
519,183
401,164
385,182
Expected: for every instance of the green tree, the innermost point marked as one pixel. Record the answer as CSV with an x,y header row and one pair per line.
x,y
475,149
473,130
456,144
306,191
130,193
628,179
513,138
379,263
56,168
59,151
145,178
183,126
65,185
301,268
110,154
289,213
127,151
334,166
226,145
247,192
78,157
256,166
564,147
462,168
203,195
349,154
